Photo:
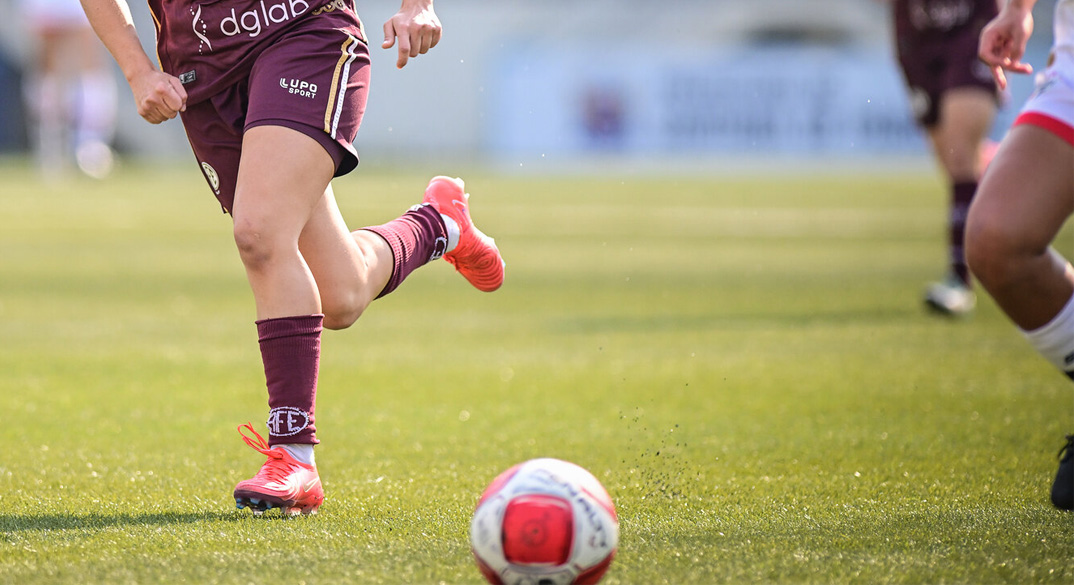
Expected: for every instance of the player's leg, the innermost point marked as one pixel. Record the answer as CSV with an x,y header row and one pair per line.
x,y
352,269
282,176
1024,199
284,211
965,118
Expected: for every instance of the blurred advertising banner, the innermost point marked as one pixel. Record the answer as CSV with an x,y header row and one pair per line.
x,y
743,100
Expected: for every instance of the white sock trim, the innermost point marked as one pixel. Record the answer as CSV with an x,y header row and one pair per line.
x,y
452,233
1055,340
302,452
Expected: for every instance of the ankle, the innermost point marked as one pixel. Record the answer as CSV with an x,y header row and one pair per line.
x,y
302,452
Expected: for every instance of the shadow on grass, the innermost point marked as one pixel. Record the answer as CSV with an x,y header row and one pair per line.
x,y
11,523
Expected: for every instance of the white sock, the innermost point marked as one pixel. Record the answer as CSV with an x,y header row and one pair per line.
x,y
452,233
1055,340
302,452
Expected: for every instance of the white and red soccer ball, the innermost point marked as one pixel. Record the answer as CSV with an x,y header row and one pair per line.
x,y
544,521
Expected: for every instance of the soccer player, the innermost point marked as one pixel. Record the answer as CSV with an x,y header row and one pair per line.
x,y
271,94
70,93
1025,197
955,100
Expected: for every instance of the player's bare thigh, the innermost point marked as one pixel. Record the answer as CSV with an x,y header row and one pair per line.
x,y
1026,195
966,115
282,175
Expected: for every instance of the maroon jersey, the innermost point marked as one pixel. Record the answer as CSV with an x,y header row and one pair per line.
x,y
299,64
211,44
941,16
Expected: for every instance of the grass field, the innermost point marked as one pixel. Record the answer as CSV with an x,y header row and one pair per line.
x,y
744,363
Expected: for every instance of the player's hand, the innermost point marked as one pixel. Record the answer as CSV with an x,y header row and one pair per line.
x,y
1003,43
159,96
415,26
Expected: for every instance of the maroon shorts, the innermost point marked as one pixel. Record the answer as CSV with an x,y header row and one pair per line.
x,y
313,79
934,63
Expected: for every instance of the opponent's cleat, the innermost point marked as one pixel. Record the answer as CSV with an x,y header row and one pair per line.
x,y
475,256
950,297
1063,488
283,482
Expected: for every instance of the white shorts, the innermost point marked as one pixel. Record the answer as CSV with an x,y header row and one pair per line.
x,y
1051,106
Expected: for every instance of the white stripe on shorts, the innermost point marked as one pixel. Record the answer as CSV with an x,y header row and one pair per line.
x,y
344,75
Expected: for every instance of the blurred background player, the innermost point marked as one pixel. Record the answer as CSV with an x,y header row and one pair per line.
x,y
954,99
70,92
1026,196
271,102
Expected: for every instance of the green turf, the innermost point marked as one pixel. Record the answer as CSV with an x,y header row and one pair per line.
x,y
745,364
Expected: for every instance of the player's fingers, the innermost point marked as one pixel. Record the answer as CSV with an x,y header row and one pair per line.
x,y
170,102
155,116
405,51
389,35
429,37
164,112
180,92
419,43
153,110
1020,67
997,74
1013,62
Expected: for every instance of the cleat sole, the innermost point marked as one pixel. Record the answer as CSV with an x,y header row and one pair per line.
x,y
259,507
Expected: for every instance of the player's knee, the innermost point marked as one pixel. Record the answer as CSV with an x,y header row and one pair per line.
x,y
255,248
989,250
340,316
341,310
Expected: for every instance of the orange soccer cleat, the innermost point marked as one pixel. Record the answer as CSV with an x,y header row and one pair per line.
x,y
283,482
475,256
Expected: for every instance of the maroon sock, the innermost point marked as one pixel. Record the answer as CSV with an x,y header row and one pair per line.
x,y
291,352
416,237
961,195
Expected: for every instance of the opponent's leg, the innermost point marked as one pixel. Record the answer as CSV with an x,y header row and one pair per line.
x,y
1024,199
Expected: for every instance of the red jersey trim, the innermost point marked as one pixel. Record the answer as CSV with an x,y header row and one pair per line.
x,y
1054,125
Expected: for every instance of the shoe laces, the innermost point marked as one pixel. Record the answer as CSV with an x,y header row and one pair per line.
x,y
277,468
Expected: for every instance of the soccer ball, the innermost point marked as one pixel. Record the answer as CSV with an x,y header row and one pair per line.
x,y
544,522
